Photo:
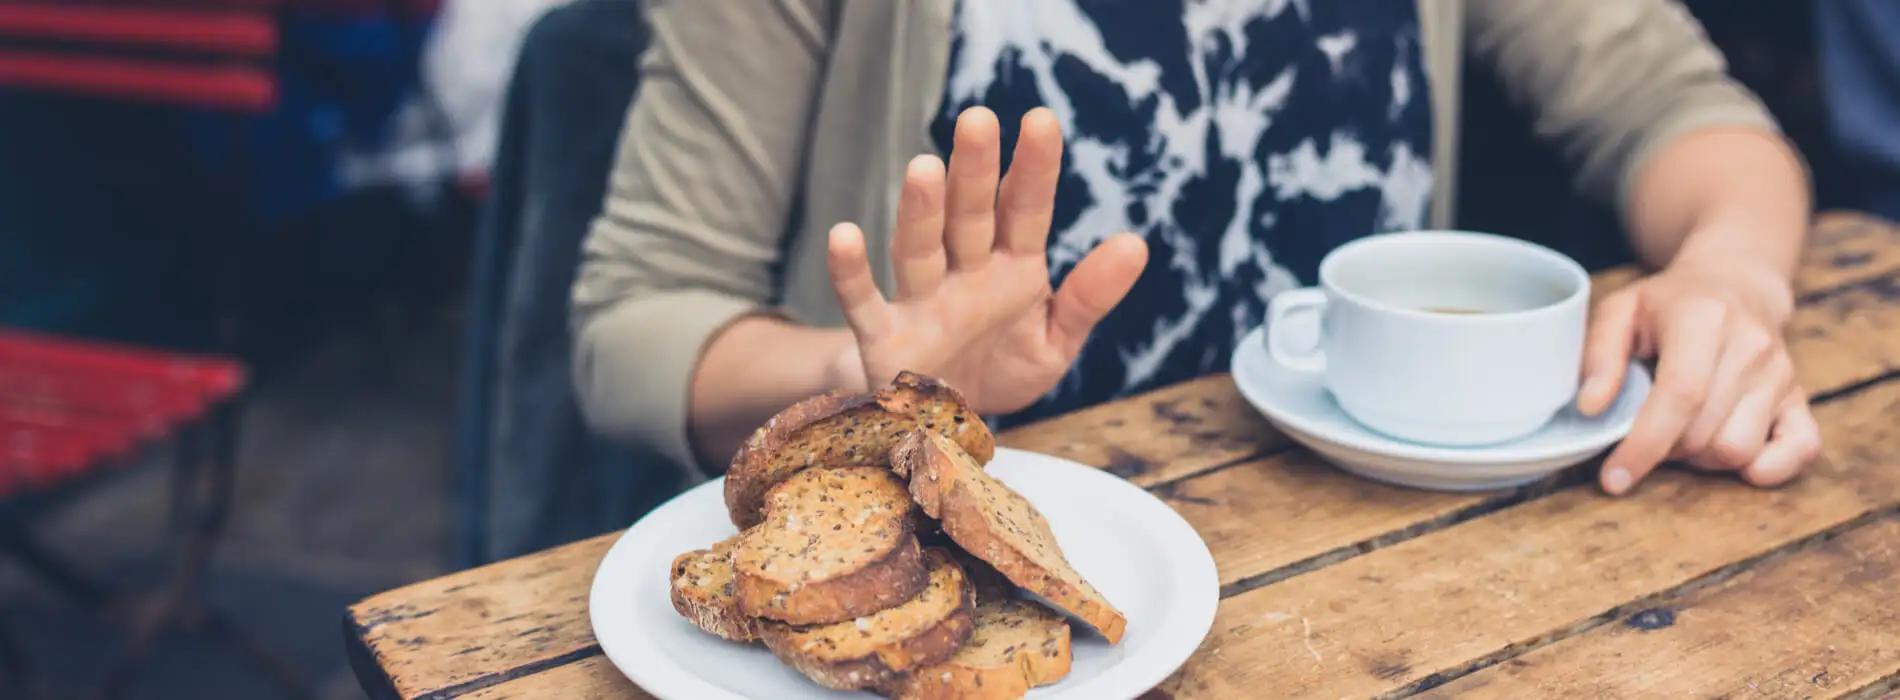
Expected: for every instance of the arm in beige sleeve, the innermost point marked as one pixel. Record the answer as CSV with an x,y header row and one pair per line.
x,y
1722,196
1640,103
674,349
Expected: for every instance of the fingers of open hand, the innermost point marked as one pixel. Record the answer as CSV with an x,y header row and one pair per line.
x,y
1751,378
1690,342
1796,444
976,156
1606,352
1026,203
864,306
1093,288
917,256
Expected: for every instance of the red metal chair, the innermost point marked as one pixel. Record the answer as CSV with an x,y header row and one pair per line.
x,y
199,53
71,411
209,54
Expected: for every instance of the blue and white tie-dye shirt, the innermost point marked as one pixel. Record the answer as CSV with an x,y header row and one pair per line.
x,y
1242,138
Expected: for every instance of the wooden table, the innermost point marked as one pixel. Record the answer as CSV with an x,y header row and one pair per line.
x,y
1334,586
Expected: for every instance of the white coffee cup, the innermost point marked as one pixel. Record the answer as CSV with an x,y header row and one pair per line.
x,y
1439,337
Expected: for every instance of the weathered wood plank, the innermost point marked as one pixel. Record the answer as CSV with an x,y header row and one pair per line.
x,y
1848,335
462,627
1435,605
1263,515
1160,435
1821,622
1845,248
1269,513
1888,690
593,678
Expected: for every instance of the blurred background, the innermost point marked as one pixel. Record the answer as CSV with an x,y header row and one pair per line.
x,y
319,197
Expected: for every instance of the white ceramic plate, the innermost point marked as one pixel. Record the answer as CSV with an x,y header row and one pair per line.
x,y
1297,404
1138,551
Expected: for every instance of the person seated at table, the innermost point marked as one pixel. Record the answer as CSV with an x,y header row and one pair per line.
x,y
1169,167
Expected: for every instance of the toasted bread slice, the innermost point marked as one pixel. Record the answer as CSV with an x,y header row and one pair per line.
x,y
703,592
1017,645
837,429
994,523
875,650
989,584
836,544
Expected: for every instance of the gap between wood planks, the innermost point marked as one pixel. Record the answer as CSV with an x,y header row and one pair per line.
x,y
1711,578
1433,605
1884,689
1566,479
522,671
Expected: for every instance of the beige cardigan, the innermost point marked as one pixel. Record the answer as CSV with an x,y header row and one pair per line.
x,y
760,123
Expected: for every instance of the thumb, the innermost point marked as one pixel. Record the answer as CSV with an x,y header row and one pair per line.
x,y
1093,288
1606,352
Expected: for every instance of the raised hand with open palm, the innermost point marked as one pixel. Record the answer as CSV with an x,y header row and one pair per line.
x,y
974,304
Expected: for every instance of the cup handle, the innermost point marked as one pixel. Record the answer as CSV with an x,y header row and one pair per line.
x,y
1301,306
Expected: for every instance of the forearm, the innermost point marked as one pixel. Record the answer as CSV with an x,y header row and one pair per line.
x,y
1723,196
757,366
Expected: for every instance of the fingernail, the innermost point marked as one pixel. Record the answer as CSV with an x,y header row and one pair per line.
x,y
1616,480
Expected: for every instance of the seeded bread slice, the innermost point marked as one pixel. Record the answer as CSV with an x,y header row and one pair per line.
x,y
703,592
839,428
989,584
875,650
835,544
994,523
1017,645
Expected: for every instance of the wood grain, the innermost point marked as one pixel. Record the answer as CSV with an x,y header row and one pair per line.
x,y
1432,606
1844,248
1160,435
593,678
1889,691
1265,514
1847,335
1821,622
1433,597
463,627
1262,515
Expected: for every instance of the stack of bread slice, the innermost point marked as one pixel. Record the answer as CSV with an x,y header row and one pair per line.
x,y
835,498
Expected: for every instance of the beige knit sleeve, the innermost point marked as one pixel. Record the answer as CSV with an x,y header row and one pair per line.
x,y
700,196
1609,81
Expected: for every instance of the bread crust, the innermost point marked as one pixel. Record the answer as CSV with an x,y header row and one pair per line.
x,y
882,584
859,662
840,428
856,519
703,592
1035,651
951,488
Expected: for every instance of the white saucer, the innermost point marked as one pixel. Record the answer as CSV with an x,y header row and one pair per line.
x,y
1142,555
1298,405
